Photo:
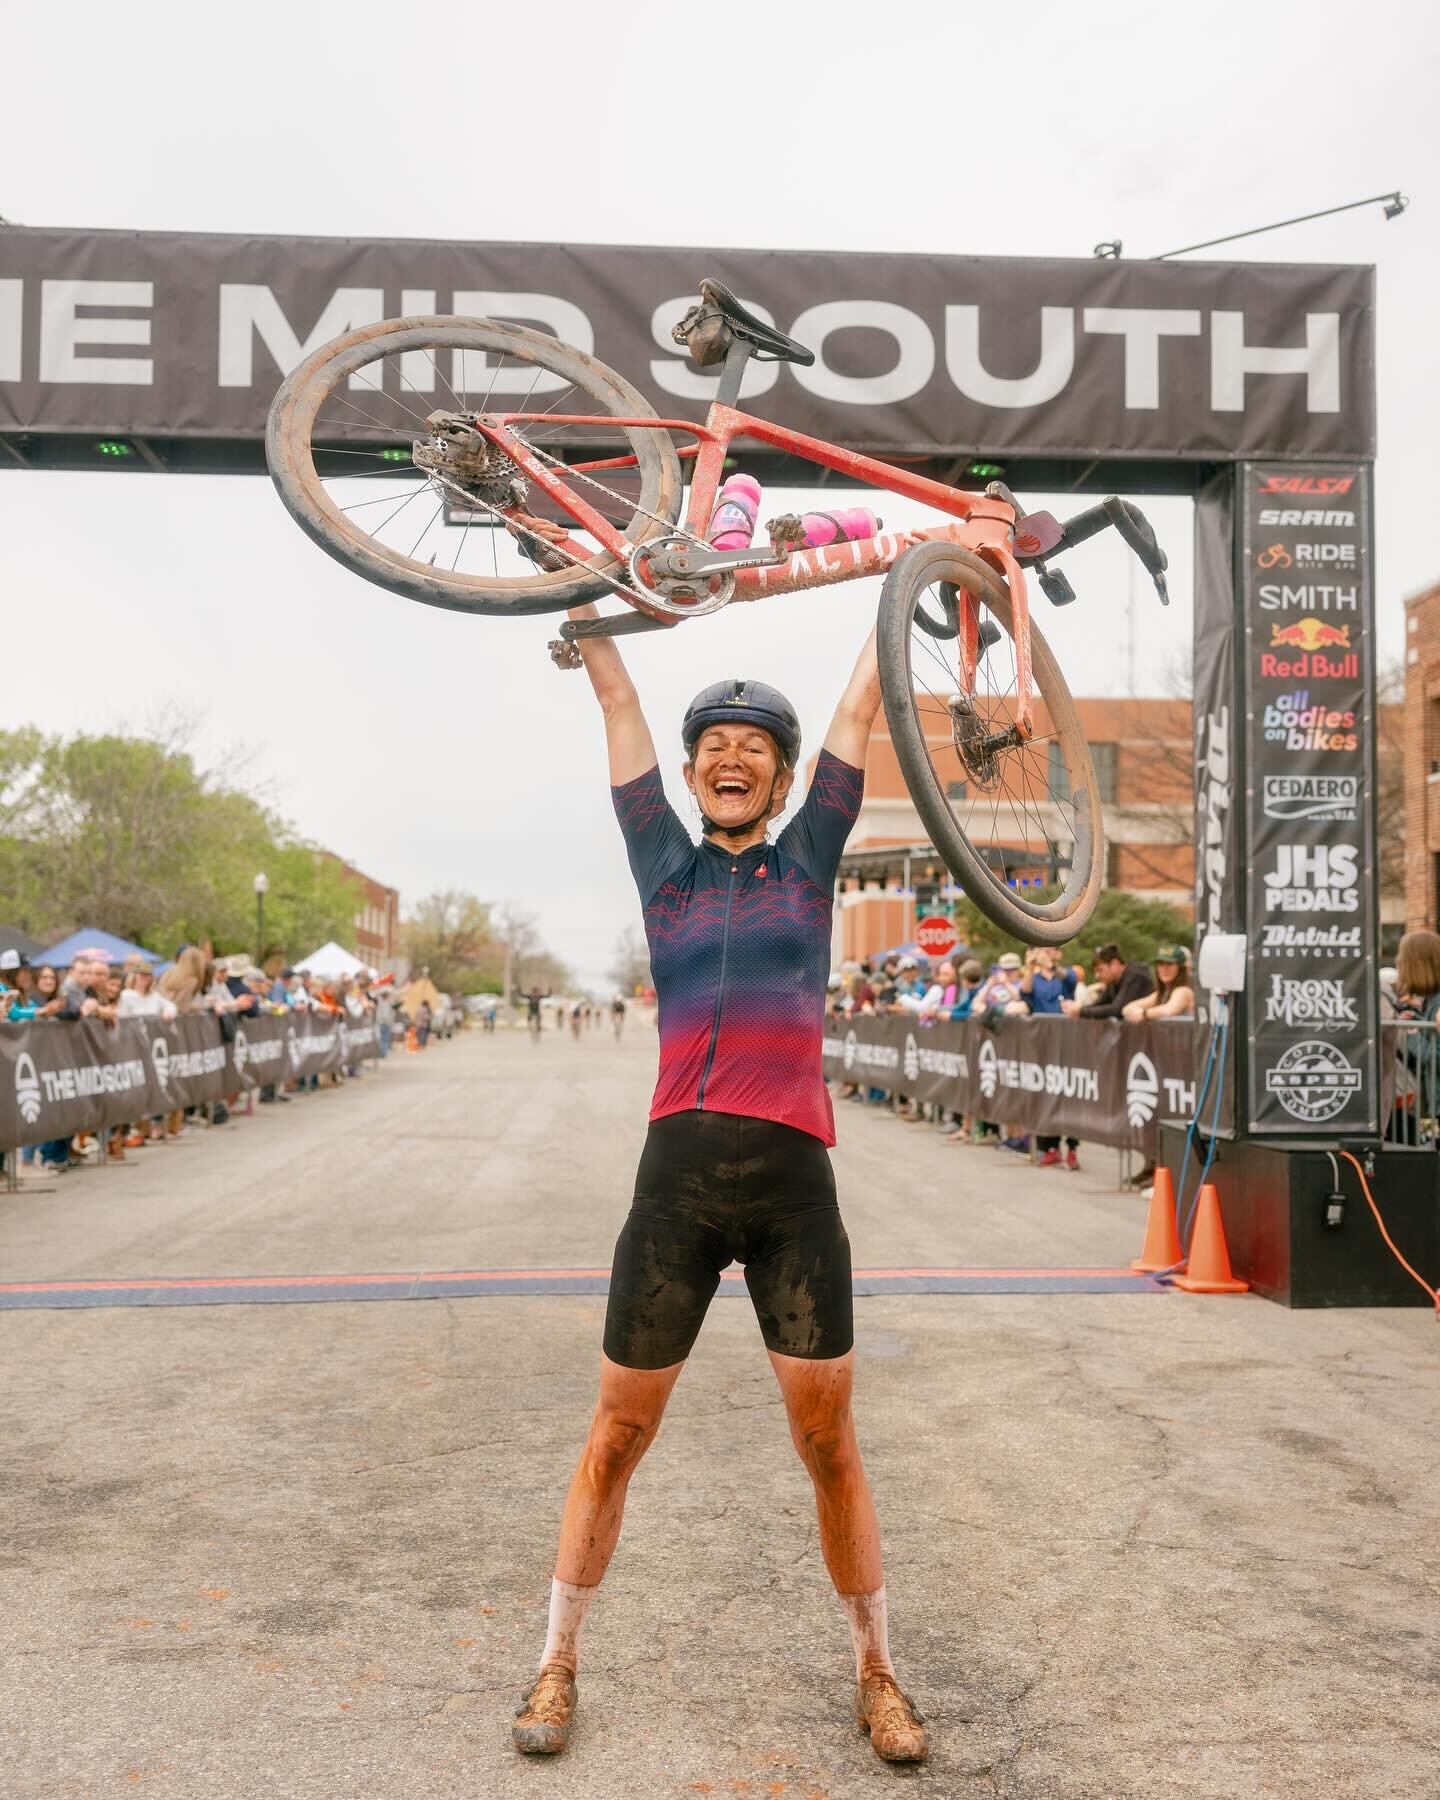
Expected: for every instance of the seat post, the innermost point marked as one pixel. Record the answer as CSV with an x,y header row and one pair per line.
x,y
733,373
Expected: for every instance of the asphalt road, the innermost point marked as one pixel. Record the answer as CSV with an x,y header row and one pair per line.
x,y
1143,1545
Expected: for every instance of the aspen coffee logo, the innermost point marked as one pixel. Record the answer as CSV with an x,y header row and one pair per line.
x,y
1311,1005
1313,1081
1310,645
1294,723
1313,878
1322,797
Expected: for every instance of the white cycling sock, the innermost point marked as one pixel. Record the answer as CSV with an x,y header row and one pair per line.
x,y
869,1633
568,1607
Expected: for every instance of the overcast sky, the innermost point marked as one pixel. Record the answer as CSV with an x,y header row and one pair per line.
x,y
913,127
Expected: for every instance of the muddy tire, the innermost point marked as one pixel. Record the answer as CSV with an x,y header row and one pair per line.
x,y
290,454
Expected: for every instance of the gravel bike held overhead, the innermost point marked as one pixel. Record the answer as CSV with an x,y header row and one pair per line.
x,y
983,724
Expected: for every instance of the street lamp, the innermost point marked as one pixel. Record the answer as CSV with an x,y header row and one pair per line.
x,y
262,887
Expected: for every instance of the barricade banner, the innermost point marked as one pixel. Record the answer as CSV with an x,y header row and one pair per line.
x,y
57,1078
1095,1079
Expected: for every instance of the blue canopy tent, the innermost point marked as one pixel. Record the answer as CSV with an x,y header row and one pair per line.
x,y
115,948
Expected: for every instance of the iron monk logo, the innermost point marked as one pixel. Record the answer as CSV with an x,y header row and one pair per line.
x,y
1142,1090
27,1087
1311,1004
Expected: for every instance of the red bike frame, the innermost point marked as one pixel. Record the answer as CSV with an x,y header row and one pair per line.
x,y
982,523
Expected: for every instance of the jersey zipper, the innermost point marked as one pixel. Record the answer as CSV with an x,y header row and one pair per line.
x,y
719,991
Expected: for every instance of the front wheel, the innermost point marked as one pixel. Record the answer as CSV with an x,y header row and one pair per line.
x,y
1018,824
353,441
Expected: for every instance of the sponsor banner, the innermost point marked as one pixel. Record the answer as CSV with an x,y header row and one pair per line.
x,y
1093,1079
60,1078
188,335
1308,665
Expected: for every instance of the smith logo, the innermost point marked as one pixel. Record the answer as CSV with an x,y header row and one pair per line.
x,y
1322,1003
1322,596
1305,484
27,1087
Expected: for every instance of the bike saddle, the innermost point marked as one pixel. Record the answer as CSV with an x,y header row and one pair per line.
x,y
719,307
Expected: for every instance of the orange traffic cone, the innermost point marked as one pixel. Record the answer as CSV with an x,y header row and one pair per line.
x,y
1162,1240
412,1042
1209,1267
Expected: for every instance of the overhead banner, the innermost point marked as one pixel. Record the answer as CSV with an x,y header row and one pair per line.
x,y
1094,1079
58,1078
187,335
1308,665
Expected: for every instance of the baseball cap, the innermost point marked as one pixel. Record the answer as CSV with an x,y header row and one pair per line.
x,y
1176,953
1009,960
9,959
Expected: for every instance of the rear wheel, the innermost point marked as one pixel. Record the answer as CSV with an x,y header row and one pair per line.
x,y
350,435
1018,825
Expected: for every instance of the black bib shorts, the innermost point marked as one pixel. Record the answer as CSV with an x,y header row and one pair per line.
x,y
715,1188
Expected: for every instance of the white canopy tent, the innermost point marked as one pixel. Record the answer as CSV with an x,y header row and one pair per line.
x,y
330,962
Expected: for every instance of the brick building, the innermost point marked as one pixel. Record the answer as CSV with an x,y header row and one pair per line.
x,y
1144,764
377,924
1420,737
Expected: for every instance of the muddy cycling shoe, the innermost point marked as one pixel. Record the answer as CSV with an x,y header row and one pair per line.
x,y
544,1715
895,1725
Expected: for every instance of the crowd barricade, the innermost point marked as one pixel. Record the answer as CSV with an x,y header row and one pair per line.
x,y
1410,1082
1096,1079
62,1077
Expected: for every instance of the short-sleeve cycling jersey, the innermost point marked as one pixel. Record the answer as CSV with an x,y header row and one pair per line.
x,y
740,952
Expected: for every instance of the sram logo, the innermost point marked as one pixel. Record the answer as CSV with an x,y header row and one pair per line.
x,y
1305,516
1313,878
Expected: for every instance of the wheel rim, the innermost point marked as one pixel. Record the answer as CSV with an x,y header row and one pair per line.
x,y
347,423
1029,812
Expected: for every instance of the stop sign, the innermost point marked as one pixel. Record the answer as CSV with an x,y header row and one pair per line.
x,y
936,935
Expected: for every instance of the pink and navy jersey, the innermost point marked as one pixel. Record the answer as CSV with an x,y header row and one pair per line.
x,y
740,952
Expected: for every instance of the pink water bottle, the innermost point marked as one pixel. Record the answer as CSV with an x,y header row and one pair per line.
x,y
845,525
737,507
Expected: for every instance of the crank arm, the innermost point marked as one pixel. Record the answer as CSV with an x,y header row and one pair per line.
x,y
614,625
700,560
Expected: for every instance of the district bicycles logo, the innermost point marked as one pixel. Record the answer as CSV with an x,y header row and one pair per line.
x,y
911,1060
1142,1090
240,1050
1318,1004
1313,1081
1335,797
27,1087
1310,940
160,1062
989,1069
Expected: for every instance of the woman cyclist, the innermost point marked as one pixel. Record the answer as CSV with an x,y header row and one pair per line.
x,y
735,1164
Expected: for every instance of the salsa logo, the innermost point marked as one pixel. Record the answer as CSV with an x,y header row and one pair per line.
x,y
1313,1081
1319,1003
1292,721
1311,797
1313,878
1305,484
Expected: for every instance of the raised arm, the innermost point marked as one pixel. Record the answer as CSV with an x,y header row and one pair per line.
x,y
627,736
849,733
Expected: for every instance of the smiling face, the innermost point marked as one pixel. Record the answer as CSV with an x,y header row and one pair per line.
x,y
733,770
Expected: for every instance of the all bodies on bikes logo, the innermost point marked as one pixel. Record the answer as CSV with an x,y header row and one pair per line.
x,y
1306,603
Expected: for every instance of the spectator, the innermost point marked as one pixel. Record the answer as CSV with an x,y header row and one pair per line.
x,y
141,999
422,1023
1417,976
942,994
1045,985
385,1019
1173,997
1121,982
1000,992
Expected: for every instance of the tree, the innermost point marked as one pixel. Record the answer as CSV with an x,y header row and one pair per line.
x,y
450,933
1138,926
631,967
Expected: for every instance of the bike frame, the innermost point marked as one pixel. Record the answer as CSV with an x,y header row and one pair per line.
x,y
982,523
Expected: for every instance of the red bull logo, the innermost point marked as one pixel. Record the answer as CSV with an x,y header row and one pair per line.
x,y
1309,633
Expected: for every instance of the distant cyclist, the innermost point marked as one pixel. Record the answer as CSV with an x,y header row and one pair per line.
x,y
617,1016
735,1164
533,1019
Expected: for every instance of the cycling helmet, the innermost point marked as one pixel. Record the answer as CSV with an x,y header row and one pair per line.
x,y
744,703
